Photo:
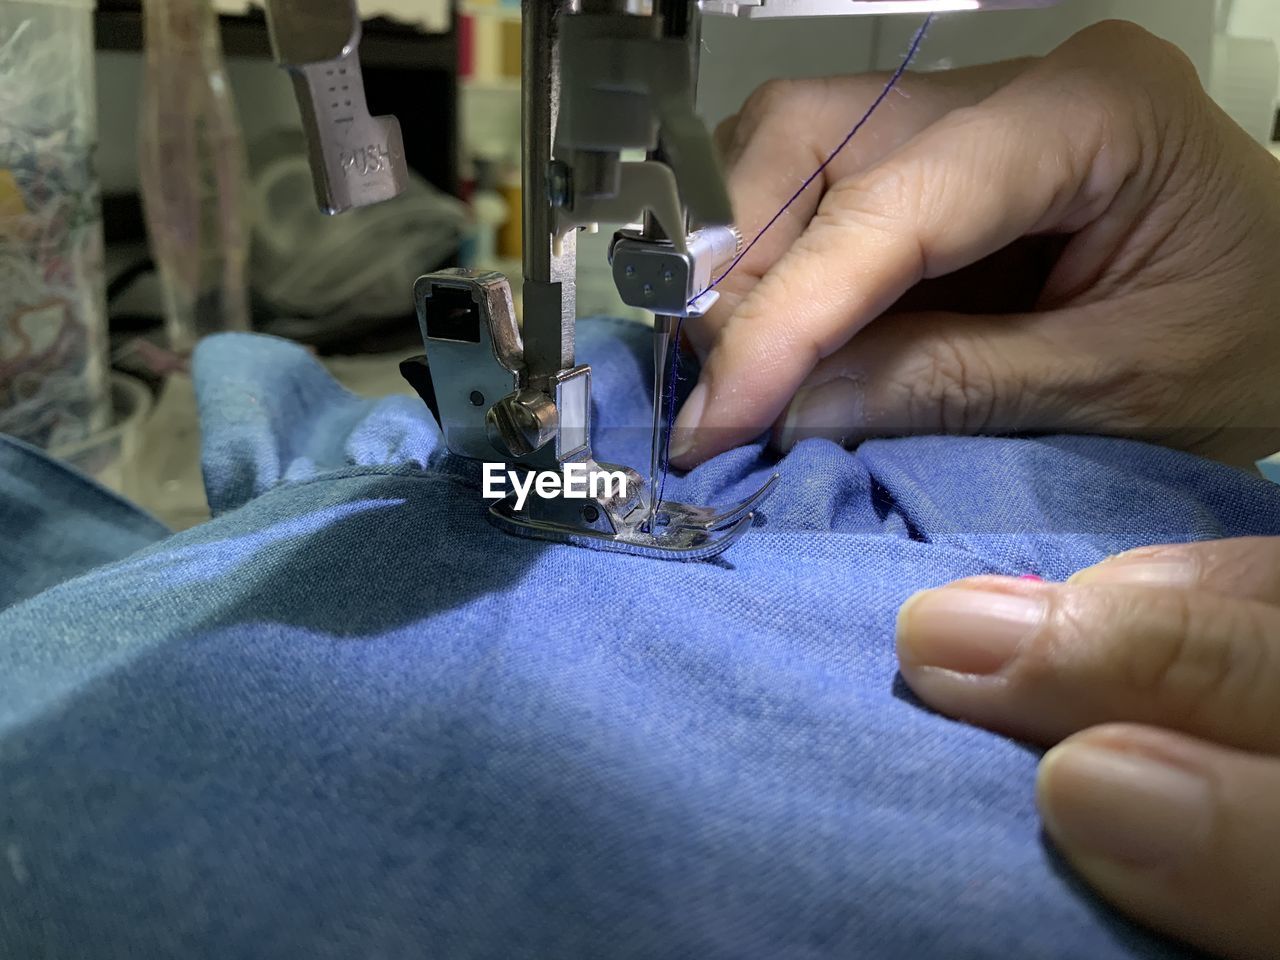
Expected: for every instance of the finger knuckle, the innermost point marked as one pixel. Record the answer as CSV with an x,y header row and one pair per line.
x,y
773,112
1199,658
955,392
1166,662
1112,36
751,338
1039,665
1259,703
1143,83
1249,672
726,133
1244,560
885,198
1161,59
773,97
1129,46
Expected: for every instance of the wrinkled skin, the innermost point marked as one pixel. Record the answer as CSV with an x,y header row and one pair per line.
x,y
1083,243
1080,243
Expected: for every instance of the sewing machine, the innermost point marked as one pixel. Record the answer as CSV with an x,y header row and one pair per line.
x,y
600,77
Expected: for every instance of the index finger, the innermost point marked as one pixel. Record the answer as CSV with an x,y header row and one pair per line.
x,y
786,129
1021,162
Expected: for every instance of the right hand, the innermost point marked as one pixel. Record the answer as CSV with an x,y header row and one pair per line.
x,y
1083,243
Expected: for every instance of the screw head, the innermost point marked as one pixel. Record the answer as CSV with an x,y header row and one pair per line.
x,y
559,184
590,513
477,398
522,422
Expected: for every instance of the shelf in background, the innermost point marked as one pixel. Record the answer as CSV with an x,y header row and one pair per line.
x,y
385,44
499,10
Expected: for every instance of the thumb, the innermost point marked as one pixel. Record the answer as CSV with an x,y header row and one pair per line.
x,y
1182,835
947,373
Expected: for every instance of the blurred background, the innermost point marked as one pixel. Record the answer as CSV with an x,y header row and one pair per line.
x,y
154,188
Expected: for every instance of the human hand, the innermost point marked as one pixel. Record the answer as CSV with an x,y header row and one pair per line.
x,y
1082,243
1161,669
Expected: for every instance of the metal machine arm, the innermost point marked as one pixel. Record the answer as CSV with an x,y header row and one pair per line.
x,y
600,77
356,159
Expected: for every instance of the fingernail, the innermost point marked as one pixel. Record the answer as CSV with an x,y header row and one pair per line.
x,y
682,441
1142,569
829,410
967,631
1122,806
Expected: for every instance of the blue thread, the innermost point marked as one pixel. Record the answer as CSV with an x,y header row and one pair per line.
x,y
671,414
675,351
888,89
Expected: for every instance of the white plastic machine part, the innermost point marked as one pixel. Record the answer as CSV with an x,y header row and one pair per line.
x,y
1246,72
1238,70
1246,54
779,9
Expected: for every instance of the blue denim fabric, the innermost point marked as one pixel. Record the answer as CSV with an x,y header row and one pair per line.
x,y
56,524
349,718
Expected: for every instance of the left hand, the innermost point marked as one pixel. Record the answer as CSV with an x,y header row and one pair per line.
x,y
1157,674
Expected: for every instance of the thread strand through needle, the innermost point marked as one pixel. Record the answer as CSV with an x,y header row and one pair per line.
x,y
831,157
889,87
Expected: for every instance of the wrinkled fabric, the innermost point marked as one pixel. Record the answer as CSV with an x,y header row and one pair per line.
x,y
56,524
350,718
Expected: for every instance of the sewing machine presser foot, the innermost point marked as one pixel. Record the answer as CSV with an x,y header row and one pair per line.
x,y
491,408
629,524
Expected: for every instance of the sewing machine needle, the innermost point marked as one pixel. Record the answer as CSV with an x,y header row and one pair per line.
x,y
663,335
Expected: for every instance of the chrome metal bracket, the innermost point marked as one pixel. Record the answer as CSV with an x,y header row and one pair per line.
x,y
672,280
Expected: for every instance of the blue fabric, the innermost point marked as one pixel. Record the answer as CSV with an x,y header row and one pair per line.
x,y
56,524
349,718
